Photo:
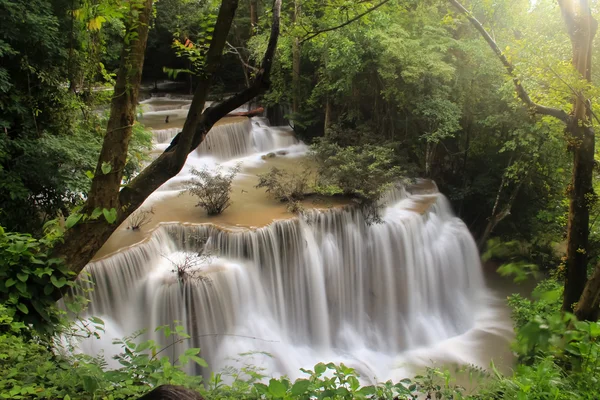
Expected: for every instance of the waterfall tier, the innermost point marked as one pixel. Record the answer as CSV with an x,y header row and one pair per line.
x,y
324,287
238,139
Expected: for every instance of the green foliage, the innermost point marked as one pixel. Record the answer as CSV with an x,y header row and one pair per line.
x,y
285,186
213,190
29,280
33,369
366,172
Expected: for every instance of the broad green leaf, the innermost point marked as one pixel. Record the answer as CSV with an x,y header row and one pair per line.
x,y
23,308
110,215
72,220
276,388
106,168
300,387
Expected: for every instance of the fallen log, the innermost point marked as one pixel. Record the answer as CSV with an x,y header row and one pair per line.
x,y
249,114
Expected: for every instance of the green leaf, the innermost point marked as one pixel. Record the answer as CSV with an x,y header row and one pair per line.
x,y
110,215
98,321
58,282
22,277
72,220
200,361
9,282
366,391
106,168
96,213
89,174
320,368
276,388
48,289
261,388
300,387
23,308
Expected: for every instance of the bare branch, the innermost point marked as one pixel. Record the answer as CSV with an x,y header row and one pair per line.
x,y
170,162
359,16
521,92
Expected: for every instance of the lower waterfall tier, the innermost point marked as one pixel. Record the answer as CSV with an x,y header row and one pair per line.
x,y
326,286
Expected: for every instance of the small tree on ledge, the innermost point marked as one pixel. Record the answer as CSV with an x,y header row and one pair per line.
x,y
139,218
213,190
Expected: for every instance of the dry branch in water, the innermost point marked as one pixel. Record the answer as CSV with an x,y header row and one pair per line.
x,y
140,218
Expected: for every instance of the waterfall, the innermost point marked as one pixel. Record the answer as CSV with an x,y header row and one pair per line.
x,y
325,286
165,135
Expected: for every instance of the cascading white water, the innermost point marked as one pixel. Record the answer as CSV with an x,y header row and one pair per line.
x,y
325,286
228,141
165,135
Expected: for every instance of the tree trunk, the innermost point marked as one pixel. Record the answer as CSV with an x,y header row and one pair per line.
x,y
253,17
588,306
327,123
582,29
84,239
113,156
296,63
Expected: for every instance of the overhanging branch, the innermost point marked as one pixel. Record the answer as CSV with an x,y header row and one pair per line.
x,y
359,16
521,92
170,162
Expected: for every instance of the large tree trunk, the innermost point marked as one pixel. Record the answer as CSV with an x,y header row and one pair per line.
x,y
253,17
588,307
113,156
582,29
581,194
296,63
85,239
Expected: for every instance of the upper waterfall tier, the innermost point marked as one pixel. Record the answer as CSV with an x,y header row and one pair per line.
x,y
241,138
323,287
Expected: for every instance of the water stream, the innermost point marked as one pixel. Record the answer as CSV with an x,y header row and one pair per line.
x,y
292,291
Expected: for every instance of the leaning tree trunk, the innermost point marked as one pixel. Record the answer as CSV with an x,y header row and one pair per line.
x,y
83,240
582,29
113,156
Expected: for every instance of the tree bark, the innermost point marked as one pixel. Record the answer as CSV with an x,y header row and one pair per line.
x,y
85,239
582,29
296,62
106,186
253,17
588,307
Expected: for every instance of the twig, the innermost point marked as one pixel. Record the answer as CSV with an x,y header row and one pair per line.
x,y
212,334
359,16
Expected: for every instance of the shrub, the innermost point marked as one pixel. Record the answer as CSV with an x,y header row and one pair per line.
x,y
212,189
139,218
285,186
365,172
187,266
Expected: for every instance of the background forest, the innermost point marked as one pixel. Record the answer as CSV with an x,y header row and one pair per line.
x,y
409,84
